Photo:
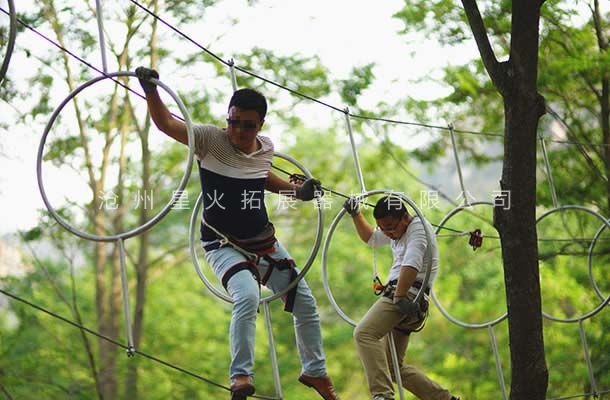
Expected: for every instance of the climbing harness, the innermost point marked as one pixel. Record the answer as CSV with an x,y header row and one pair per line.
x,y
422,309
255,249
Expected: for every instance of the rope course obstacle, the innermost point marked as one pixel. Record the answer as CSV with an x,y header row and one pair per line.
x,y
120,238
604,222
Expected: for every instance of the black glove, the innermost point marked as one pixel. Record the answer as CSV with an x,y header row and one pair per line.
x,y
352,206
407,307
308,190
144,75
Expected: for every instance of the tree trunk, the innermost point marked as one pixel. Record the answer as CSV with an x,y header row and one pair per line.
x,y
131,381
107,382
131,388
604,94
515,215
516,223
106,375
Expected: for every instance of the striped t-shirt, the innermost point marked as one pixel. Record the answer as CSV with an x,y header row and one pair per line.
x,y
232,182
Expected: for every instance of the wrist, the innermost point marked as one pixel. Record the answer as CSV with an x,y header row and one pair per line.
x,y
150,89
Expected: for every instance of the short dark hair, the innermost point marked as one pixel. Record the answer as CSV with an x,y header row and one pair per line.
x,y
390,206
249,99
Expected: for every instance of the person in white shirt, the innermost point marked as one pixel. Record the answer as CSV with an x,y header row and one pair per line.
x,y
395,312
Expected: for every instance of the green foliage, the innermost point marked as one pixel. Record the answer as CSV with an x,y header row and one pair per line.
x,y
305,75
32,234
571,67
421,16
62,148
351,89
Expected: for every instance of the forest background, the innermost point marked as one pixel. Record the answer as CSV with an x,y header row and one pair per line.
x,y
102,151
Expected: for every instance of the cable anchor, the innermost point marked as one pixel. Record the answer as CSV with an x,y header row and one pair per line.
x,y
476,239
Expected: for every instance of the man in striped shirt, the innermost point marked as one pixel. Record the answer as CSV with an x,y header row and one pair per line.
x,y
234,167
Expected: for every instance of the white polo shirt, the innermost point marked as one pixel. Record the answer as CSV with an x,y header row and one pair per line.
x,y
410,250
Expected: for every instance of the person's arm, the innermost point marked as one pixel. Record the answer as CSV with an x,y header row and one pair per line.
x,y
276,184
364,229
412,261
160,114
164,120
405,281
308,190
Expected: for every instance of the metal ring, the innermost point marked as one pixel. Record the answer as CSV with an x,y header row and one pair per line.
x,y
435,299
11,39
156,218
606,223
314,251
597,289
331,230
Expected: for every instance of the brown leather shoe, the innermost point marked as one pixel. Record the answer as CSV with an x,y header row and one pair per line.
x,y
322,384
241,387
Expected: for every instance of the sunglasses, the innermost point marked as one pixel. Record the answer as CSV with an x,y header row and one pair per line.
x,y
245,125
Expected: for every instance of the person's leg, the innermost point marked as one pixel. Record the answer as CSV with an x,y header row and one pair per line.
x,y
244,290
306,326
412,378
371,344
305,315
245,293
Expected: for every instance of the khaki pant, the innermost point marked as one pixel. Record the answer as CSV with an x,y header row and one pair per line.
x,y
374,350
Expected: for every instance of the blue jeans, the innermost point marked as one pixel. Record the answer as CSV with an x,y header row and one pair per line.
x,y
244,290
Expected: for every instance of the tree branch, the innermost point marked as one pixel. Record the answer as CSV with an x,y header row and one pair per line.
x,y
6,392
87,344
601,39
493,67
51,14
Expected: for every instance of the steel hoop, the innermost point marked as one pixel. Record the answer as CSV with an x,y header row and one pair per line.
x,y
168,206
605,301
329,235
11,39
597,289
433,294
195,216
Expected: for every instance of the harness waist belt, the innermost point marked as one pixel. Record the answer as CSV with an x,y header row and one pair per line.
x,y
391,286
280,265
214,246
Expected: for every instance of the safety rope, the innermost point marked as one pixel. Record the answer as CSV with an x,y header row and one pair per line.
x,y
121,345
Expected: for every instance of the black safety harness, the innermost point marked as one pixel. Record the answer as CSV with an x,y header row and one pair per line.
x,y
388,292
254,253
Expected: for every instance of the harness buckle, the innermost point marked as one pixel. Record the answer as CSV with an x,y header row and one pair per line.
x,y
378,287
